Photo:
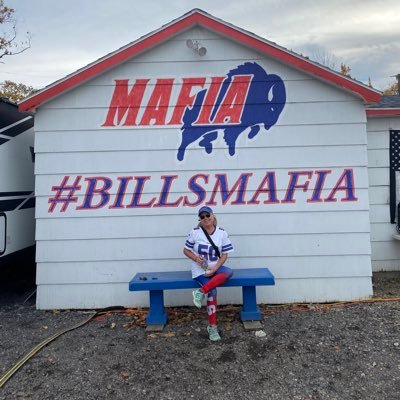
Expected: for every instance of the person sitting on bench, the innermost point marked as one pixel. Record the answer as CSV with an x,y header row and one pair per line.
x,y
208,246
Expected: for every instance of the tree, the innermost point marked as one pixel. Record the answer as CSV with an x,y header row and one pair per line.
x,y
328,59
345,70
15,91
393,89
8,44
324,57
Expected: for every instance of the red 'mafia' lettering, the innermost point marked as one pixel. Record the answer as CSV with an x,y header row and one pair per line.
x,y
209,101
157,106
126,103
231,108
123,102
185,99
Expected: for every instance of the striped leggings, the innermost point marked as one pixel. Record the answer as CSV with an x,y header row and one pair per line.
x,y
209,286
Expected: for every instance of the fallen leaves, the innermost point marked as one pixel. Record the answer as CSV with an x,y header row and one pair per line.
x,y
177,316
228,326
161,334
151,336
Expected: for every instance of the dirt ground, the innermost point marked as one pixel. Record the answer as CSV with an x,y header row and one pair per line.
x,y
310,351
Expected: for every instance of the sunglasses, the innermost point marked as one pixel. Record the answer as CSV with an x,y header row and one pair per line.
x,y
202,216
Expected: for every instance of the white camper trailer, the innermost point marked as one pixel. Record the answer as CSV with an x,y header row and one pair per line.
x,y
17,201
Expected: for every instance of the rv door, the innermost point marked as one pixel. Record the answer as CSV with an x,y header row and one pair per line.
x,y
3,232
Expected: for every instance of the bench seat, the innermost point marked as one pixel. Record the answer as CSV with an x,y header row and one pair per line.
x,y
157,282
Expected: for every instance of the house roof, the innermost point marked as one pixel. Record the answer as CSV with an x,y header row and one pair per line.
x,y
200,18
389,105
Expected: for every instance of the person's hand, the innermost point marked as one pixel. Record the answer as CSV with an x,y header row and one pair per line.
x,y
199,260
210,271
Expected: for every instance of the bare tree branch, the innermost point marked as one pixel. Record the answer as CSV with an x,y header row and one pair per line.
x,y
8,44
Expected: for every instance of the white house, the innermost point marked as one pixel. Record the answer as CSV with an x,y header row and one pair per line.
x,y
201,112
382,118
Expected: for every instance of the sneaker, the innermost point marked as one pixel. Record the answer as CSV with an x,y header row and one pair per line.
x,y
198,297
213,333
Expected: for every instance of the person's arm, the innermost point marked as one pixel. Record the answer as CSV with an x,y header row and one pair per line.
x,y
188,249
194,257
214,269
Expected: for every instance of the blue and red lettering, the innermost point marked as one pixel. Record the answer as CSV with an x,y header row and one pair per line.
x,y
221,185
93,190
204,190
345,183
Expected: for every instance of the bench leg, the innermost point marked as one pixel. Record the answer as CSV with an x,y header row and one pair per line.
x,y
157,314
250,310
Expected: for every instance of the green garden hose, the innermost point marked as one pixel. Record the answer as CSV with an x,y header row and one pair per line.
x,y
8,374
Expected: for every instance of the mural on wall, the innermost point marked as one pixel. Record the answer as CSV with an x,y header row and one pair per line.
x,y
247,100
211,190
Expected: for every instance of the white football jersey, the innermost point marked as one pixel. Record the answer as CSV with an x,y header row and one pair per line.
x,y
198,243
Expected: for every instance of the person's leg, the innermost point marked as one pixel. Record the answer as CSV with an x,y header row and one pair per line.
x,y
211,299
209,283
219,278
198,294
212,327
208,286
212,307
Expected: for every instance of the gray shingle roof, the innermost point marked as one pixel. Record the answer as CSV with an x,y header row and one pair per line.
x,y
386,102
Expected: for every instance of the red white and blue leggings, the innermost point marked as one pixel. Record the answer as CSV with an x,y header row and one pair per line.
x,y
209,286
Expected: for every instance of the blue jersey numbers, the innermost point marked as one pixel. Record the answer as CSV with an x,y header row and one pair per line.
x,y
207,252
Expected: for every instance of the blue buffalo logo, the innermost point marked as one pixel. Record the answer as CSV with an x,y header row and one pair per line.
x,y
248,99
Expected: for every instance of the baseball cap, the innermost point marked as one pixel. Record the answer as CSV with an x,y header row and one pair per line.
x,y
205,209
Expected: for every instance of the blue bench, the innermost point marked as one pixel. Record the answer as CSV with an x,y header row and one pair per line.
x,y
157,282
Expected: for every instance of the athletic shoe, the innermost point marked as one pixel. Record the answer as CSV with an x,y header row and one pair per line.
x,y
213,333
198,297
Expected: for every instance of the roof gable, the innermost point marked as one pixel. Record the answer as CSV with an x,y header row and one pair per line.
x,y
193,18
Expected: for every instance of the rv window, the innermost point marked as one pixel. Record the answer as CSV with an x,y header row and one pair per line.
x,y
3,228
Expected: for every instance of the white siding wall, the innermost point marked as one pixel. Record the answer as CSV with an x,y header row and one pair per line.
x,y
385,250
317,251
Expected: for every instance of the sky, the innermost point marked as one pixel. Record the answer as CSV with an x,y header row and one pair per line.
x,y
68,34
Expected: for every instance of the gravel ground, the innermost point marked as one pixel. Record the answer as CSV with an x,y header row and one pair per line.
x,y
309,352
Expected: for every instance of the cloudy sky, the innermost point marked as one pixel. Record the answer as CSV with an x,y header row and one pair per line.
x,y
69,34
